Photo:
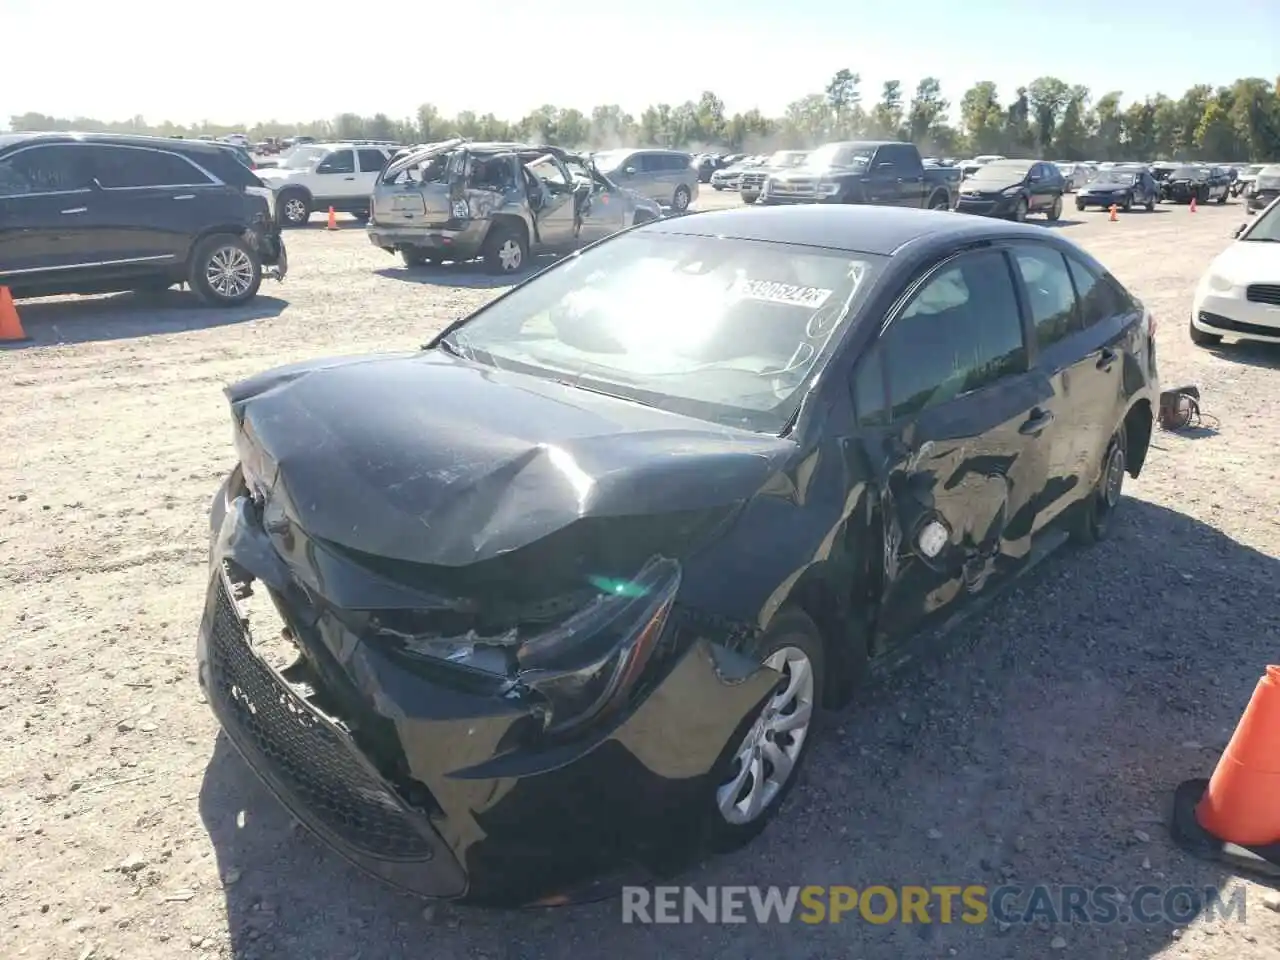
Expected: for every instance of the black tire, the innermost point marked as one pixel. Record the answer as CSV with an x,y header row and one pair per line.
x,y
1151,206
293,208
1055,212
1222,199
939,202
749,198
1128,203
1080,206
717,186
224,271
1202,195
416,257
642,216
791,628
1202,339
1093,521
506,249
680,202
1020,211
362,216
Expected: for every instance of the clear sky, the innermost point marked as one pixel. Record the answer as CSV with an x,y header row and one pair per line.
x,y
235,61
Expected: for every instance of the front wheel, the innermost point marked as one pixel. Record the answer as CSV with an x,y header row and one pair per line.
x,y
1222,199
765,762
680,201
1020,211
225,271
1128,203
1093,522
294,209
1079,206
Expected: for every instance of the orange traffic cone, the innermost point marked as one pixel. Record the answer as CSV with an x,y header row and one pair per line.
x,y
1114,218
10,326
1193,204
1236,814
333,220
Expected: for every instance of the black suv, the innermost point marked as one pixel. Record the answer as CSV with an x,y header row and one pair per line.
x,y
98,213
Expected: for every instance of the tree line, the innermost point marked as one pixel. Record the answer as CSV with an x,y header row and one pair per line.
x,y
1048,118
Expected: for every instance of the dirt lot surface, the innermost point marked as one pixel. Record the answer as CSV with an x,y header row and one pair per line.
x,y
1043,749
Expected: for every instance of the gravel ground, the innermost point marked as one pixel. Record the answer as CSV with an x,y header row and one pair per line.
x,y
1042,748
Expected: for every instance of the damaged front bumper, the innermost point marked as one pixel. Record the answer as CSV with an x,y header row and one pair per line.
x,y
447,791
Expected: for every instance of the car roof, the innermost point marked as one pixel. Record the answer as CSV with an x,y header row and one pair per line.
x,y
853,228
118,139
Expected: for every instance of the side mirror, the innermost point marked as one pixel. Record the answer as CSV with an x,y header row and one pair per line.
x,y
630,171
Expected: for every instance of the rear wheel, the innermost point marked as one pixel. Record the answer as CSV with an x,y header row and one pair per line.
x,y
362,216
766,760
1055,212
1080,205
939,202
505,249
225,271
1223,199
1202,339
680,201
1020,211
1093,522
1151,205
1128,203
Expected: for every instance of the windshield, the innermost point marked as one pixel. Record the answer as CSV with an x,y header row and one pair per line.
x,y
1000,170
1118,177
788,158
722,329
840,155
1255,169
608,160
1266,229
1189,173
1268,178
299,158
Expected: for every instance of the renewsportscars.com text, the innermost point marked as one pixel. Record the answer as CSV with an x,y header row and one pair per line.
x,y
943,904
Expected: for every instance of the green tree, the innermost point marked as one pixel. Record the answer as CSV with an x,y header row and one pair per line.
x,y
982,118
928,112
1048,97
886,118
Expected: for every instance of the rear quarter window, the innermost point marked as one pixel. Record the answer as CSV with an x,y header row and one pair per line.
x,y
227,168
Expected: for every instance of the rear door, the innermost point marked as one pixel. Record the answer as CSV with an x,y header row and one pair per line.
x,y
965,458
44,193
152,204
881,185
909,181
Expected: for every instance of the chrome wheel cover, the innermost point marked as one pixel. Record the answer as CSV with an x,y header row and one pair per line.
x,y
766,758
229,272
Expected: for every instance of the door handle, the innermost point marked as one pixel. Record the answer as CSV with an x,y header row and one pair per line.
x,y
1106,358
348,178
77,210
1034,425
185,196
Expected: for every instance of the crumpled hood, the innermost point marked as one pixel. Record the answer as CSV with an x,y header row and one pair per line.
x,y
429,459
1245,262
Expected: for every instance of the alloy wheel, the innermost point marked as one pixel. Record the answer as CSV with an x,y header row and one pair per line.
x,y
768,753
229,272
510,256
295,210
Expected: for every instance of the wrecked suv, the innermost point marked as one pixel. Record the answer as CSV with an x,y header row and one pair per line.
x,y
458,200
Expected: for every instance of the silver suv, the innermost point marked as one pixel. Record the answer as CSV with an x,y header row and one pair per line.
x,y
667,176
457,200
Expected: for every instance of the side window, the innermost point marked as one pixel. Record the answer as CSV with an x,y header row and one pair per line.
x,y
961,332
340,161
52,169
648,163
1049,292
123,167
1100,297
679,161
371,161
13,182
869,394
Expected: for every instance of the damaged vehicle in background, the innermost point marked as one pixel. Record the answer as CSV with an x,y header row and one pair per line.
x,y
1195,182
563,590
504,202
752,181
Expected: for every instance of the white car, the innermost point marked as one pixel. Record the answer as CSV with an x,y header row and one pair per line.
x,y
1239,295
317,176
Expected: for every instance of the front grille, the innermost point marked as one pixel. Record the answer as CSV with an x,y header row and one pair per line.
x,y
1237,326
309,760
1263,293
752,180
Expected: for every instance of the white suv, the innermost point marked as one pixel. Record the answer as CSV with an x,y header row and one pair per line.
x,y
317,176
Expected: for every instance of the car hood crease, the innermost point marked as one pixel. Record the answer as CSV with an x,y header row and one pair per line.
x,y
429,459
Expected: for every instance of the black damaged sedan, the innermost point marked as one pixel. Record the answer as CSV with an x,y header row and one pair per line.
x,y
564,590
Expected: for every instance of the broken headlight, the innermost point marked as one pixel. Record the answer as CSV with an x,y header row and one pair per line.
x,y
581,663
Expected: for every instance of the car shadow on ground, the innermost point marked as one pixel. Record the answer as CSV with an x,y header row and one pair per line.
x,y
1042,748
126,316
1055,224
471,274
1250,353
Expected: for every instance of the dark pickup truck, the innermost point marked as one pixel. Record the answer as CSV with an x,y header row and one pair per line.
x,y
865,171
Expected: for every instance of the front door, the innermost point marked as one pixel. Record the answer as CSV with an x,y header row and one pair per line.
x,y
966,445
336,178
603,209
556,216
44,193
